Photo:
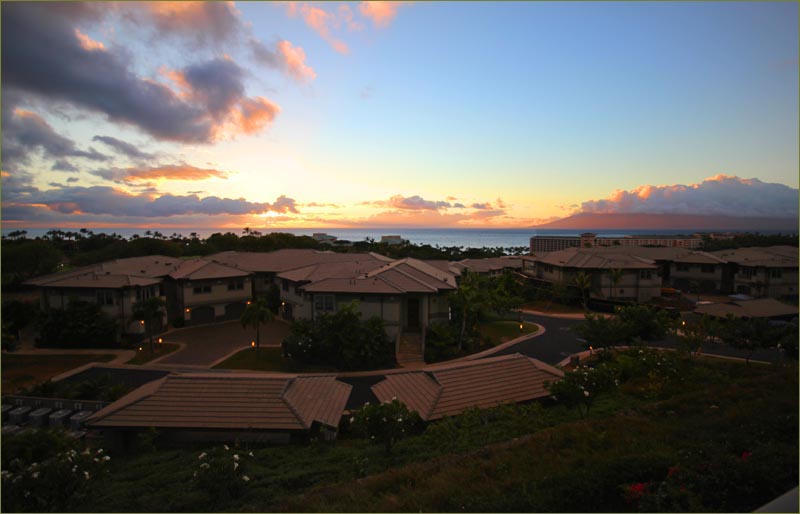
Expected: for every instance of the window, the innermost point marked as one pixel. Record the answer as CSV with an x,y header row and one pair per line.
x,y
707,268
775,273
285,284
235,285
202,289
681,267
105,298
323,302
746,272
143,293
645,274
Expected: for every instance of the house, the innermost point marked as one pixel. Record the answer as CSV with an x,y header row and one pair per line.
x,y
698,271
191,407
203,291
393,240
492,266
768,308
449,389
762,271
637,279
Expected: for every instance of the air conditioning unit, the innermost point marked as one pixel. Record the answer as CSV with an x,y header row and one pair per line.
x,y
76,421
10,429
38,418
6,409
19,415
60,418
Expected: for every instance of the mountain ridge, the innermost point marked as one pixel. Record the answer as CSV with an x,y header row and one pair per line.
x,y
655,221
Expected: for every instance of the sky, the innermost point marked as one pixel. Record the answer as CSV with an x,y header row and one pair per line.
x,y
404,114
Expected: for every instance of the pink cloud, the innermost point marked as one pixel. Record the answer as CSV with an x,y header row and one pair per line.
x,y
294,59
88,43
381,13
321,21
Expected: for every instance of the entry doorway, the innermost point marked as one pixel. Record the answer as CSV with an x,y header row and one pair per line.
x,y
412,314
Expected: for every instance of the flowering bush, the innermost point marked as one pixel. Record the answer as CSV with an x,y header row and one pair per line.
x,y
650,370
580,387
385,423
221,472
57,484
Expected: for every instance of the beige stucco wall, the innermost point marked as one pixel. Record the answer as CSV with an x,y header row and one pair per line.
x,y
219,295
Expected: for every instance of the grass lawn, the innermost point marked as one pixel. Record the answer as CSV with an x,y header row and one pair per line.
x,y
20,371
502,331
144,356
269,359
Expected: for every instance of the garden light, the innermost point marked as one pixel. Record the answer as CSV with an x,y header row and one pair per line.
x,y
188,310
140,348
160,340
248,302
252,344
520,327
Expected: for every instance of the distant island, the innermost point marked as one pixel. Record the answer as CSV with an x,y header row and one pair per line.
x,y
645,221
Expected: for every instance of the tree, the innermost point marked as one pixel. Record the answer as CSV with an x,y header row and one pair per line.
x,y
645,322
254,315
79,325
468,300
149,311
746,334
602,331
583,281
694,332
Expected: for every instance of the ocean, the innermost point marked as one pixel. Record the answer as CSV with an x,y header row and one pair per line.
x,y
463,237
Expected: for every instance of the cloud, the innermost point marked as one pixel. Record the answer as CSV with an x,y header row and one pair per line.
x,y
718,195
108,201
416,203
294,61
381,13
63,165
25,132
124,148
181,171
42,56
202,23
72,180
321,21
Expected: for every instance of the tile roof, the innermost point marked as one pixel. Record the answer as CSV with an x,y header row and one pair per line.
x,y
150,266
770,256
199,269
94,281
397,277
589,258
761,308
489,264
316,272
230,401
285,260
449,389
696,257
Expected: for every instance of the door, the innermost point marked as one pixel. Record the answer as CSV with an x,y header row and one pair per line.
x,y
412,314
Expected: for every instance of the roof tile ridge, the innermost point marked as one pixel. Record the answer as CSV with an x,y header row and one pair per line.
x,y
439,390
289,383
389,283
418,281
138,395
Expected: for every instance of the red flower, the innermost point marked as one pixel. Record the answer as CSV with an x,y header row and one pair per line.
x,y
672,470
746,455
638,488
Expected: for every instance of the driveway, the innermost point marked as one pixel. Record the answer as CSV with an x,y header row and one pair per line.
x,y
204,345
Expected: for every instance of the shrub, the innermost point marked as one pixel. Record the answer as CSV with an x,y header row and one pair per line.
x,y
441,342
221,473
579,388
57,483
385,423
80,325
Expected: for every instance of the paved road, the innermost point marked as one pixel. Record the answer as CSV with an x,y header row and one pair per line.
x,y
559,341
206,344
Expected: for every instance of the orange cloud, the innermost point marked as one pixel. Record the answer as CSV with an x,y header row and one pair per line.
x,y
381,13
321,21
252,115
294,59
177,79
88,43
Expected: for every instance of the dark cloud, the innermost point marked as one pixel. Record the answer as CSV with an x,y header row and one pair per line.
x,y
481,206
72,179
416,203
25,132
63,165
199,23
108,201
43,55
16,183
124,148
719,195
459,205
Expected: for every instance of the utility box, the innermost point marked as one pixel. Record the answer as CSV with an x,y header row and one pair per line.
x,y
10,429
60,418
77,419
38,418
6,409
19,415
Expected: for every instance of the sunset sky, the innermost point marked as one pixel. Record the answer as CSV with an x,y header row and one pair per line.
x,y
367,114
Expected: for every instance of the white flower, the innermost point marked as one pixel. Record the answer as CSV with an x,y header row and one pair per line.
x,y
383,419
96,459
226,447
250,454
202,456
245,478
235,465
399,420
86,475
74,469
35,474
352,419
106,458
236,456
586,393
204,465
100,450
194,474
394,398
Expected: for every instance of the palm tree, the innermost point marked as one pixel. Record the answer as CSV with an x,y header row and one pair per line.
x,y
583,282
254,315
616,277
148,311
469,298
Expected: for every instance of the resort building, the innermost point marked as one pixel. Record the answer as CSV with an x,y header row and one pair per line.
x,y
761,271
540,244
